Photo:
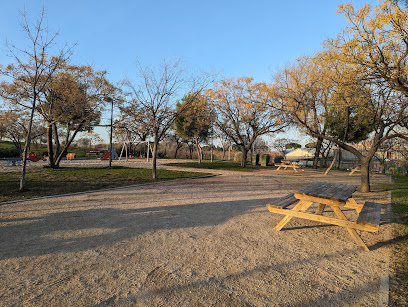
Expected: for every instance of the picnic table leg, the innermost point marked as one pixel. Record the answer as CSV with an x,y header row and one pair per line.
x,y
279,167
320,209
303,205
352,231
294,168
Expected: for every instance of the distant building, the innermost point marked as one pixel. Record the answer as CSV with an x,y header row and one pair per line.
x,y
305,156
382,161
300,154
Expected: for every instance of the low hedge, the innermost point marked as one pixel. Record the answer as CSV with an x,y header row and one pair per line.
x,y
9,152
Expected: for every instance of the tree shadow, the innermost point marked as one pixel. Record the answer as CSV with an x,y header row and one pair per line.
x,y
79,230
398,239
165,290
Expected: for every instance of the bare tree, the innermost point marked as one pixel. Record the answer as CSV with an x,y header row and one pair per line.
x,y
280,144
13,125
155,94
33,66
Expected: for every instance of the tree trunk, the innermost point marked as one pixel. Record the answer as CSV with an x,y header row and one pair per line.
x,y
339,159
244,156
66,146
332,163
50,149
27,144
198,149
317,152
365,175
190,149
57,142
154,156
383,167
177,149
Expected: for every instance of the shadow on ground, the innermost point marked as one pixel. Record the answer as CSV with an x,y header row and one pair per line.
x,y
79,230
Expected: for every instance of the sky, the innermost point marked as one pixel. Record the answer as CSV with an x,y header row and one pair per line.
x,y
237,38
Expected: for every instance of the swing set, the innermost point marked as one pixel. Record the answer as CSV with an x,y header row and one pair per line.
x,y
130,143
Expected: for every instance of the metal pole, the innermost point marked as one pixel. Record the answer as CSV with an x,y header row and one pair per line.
x,y
111,130
212,138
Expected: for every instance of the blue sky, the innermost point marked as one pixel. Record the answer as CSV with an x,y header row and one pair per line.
x,y
239,38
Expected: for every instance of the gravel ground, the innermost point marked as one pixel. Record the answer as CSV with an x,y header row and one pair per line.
x,y
206,241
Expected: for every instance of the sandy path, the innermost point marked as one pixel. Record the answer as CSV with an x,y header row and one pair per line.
x,y
186,242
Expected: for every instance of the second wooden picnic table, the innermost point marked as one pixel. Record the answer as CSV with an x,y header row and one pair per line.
x,y
285,164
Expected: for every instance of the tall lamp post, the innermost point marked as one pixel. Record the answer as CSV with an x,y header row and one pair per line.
x,y
109,99
212,134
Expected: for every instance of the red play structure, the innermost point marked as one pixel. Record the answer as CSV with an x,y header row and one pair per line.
x,y
33,157
105,156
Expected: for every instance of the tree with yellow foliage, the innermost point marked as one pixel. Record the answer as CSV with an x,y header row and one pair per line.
x,y
376,41
245,111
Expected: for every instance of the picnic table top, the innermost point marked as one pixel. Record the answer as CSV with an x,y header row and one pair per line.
x,y
335,191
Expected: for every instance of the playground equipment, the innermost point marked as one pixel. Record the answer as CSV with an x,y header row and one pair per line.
x,y
71,156
33,157
129,143
14,161
107,155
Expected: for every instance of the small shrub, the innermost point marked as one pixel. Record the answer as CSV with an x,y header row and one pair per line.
x,y
255,159
238,157
9,152
265,159
80,153
278,159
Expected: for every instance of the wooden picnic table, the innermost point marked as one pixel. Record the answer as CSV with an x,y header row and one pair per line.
x,y
285,164
336,196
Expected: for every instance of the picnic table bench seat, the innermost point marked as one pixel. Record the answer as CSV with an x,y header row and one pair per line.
x,y
284,202
370,216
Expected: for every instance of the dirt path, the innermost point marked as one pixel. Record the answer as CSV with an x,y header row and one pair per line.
x,y
186,242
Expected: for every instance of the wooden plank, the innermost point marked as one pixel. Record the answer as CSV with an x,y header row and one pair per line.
x,y
321,218
319,200
370,214
345,192
328,190
354,235
320,209
351,203
285,201
301,206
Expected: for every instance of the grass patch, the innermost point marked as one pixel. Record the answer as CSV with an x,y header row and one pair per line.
x,y
222,165
46,181
399,288
6,144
